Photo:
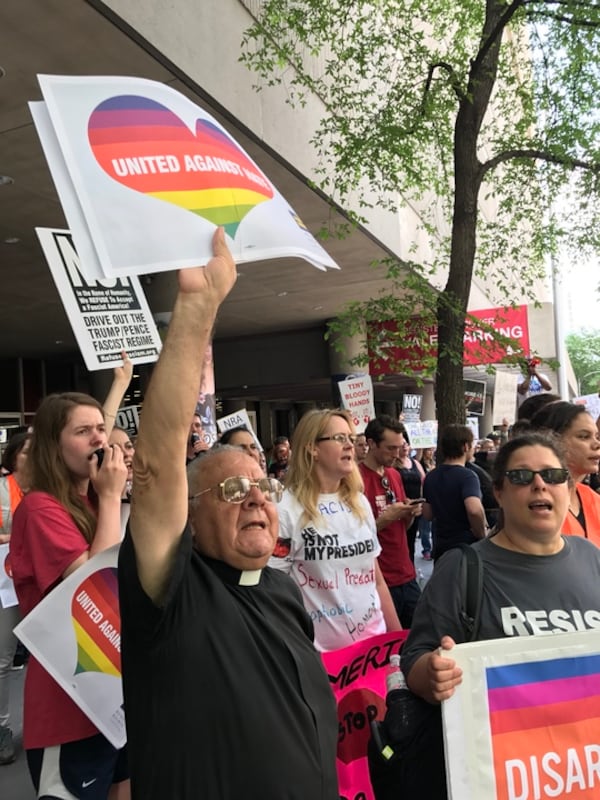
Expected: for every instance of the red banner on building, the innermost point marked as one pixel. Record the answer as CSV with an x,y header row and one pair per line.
x,y
419,342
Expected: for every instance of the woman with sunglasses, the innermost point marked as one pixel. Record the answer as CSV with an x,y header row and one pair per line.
x,y
327,538
535,580
580,440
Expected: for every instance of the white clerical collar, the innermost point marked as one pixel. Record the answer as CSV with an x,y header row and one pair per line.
x,y
250,577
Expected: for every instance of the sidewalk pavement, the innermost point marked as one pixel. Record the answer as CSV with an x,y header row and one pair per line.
x,y
15,783
423,568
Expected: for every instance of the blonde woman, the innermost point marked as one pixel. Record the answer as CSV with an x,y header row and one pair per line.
x,y
327,538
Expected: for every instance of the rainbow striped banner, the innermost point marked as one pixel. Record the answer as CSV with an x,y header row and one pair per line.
x,y
554,704
525,722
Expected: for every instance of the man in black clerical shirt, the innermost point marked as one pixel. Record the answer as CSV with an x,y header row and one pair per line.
x,y
225,695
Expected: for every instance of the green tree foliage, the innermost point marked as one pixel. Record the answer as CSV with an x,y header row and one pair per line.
x,y
584,353
437,104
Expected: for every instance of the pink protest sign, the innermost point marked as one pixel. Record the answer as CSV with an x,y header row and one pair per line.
x,y
357,677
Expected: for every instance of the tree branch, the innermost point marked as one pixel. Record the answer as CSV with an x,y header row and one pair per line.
x,y
538,155
495,34
572,6
458,91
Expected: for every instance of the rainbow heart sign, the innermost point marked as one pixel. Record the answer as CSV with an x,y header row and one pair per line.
x,y
97,624
146,147
145,175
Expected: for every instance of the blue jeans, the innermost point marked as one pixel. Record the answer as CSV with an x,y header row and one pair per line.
x,y
425,534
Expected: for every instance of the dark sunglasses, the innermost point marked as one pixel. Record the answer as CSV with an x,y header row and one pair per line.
x,y
551,475
390,497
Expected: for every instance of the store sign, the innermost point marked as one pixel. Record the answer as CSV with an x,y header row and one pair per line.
x,y
480,347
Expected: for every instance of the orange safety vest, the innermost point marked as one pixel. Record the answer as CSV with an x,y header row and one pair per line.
x,y
590,503
11,495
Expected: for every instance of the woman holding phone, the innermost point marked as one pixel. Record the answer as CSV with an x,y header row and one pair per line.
x,y
71,513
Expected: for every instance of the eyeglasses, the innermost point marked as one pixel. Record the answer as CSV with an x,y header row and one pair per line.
x,y
340,438
236,490
551,475
390,497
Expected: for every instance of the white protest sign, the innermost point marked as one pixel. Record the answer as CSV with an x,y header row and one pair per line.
x,y
411,407
591,403
8,597
523,724
505,397
145,175
473,423
357,398
235,420
108,315
75,634
422,434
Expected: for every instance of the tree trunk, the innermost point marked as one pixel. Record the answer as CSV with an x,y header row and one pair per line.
x,y
453,301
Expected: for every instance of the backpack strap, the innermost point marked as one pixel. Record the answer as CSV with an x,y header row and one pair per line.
x,y
471,586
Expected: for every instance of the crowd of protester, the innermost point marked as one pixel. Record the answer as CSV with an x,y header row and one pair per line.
x,y
237,566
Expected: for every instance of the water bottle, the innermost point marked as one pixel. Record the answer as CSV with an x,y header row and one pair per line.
x,y
395,677
402,718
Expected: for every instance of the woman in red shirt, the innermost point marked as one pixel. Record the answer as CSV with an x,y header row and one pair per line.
x,y
71,513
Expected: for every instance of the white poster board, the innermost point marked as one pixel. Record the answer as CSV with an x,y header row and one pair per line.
x,y
524,724
411,407
591,403
237,419
8,597
422,434
473,423
145,176
107,315
75,633
356,393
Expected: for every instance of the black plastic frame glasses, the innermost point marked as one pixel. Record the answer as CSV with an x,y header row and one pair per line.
x,y
237,489
550,475
340,438
390,497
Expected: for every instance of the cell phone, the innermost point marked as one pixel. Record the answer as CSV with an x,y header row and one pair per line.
x,y
100,456
416,500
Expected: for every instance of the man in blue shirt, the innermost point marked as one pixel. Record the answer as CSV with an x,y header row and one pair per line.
x,y
453,493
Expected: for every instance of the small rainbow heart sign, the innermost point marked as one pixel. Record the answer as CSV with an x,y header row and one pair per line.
x,y
146,147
